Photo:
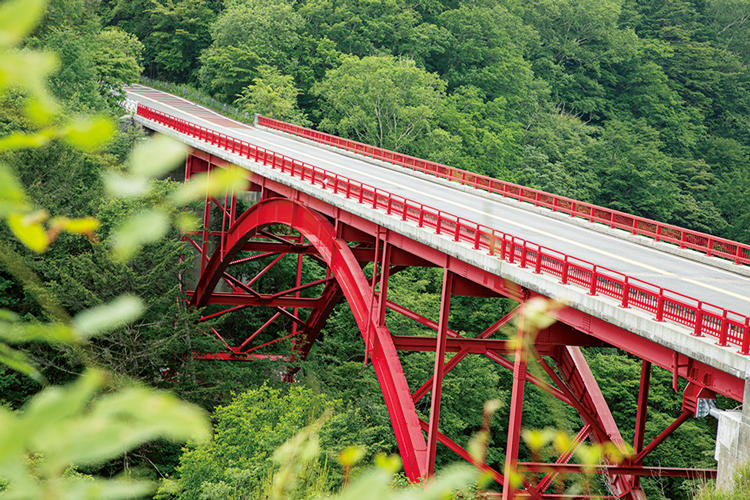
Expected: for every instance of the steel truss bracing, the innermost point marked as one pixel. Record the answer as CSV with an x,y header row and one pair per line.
x,y
357,258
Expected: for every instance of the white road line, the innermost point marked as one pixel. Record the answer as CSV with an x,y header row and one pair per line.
x,y
493,216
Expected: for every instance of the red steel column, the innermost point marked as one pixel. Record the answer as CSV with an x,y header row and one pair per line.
x,y
640,417
516,410
385,271
206,222
662,436
297,283
188,166
438,372
573,359
372,290
357,291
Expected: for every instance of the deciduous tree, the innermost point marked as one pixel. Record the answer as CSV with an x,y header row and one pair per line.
x,y
380,100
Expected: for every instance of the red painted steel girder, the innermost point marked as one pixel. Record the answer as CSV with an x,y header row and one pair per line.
x,y
544,346
438,373
520,360
472,346
319,232
331,296
362,253
688,368
247,300
229,356
623,469
564,458
577,379
463,453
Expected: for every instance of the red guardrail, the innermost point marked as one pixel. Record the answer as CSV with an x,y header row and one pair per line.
x,y
737,252
700,317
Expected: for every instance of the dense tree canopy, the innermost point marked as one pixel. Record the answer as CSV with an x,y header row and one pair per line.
x,y
529,91
640,105
241,35
380,100
272,94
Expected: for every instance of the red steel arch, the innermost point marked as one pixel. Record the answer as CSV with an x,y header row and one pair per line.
x,y
418,458
346,269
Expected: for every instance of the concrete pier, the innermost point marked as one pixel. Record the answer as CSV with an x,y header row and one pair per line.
x,y
733,441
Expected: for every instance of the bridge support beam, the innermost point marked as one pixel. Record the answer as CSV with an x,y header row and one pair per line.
x,y
642,411
439,370
516,410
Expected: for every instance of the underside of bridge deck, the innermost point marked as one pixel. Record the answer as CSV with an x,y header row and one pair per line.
x,y
352,259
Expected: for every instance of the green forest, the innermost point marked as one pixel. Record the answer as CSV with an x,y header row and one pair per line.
x,y
638,105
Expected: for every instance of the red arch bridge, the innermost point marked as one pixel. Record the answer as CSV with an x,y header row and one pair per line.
x,y
667,295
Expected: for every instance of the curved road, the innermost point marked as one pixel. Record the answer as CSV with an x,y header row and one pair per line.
x,y
701,281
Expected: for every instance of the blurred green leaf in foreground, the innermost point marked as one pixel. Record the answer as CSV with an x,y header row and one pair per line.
x,y
91,420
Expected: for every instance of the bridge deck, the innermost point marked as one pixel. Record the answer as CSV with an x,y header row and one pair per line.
x,y
695,279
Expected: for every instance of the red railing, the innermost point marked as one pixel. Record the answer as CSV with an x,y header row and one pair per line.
x,y
737,252
700,317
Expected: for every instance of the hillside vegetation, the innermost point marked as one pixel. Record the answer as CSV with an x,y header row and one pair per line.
x,y
640,105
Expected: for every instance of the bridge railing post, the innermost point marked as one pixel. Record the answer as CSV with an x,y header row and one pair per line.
x,y
512,250
746,337
564,277
723,330
592,285
626,291
660,305
698,320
